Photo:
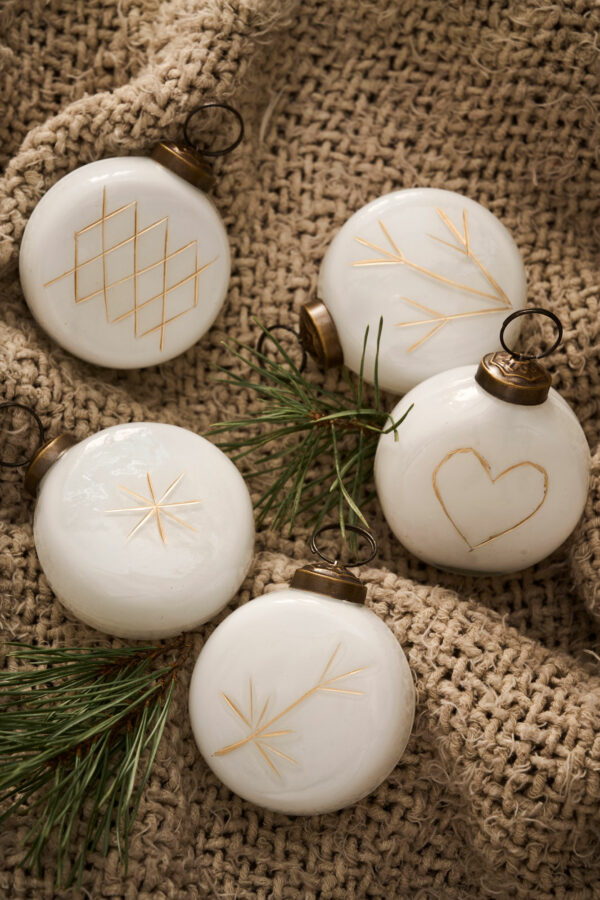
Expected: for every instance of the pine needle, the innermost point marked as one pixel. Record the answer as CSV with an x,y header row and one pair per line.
x,y
311,428
79,731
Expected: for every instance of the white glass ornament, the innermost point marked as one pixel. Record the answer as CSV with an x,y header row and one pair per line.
x,y
143,530
125,262
490,474
302,701
440,269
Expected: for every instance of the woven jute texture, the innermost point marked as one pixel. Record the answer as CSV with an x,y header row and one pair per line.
x,y
498,792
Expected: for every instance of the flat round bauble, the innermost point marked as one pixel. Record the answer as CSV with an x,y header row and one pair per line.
x,y
479,485
144,530
441,270
300,703
124,263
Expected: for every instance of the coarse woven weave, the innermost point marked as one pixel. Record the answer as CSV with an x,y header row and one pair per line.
x,y
498,792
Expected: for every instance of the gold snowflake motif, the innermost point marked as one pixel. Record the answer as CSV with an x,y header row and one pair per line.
x,y
395,257
155,508
102,258
261,733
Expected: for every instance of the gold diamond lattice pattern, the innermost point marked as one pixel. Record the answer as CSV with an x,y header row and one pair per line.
x,y
134,271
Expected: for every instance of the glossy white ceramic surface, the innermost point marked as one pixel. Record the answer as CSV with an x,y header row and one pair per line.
x,y
421,256
144,530
301,703
124,263
477,484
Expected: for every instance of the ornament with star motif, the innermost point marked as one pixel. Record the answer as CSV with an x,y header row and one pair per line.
x,y
125,261
302,700
492,476
440,269
143,530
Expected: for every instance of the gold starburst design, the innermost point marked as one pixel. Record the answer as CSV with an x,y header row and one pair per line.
x,y
395,257
155,508
261,733
102,253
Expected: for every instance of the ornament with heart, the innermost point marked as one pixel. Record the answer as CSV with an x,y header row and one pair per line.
x,y
492,476
133,525
302,700
440,269
125,261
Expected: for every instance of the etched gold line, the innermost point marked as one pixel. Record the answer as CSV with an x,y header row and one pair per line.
x,y
177,519
161,530
109,250
259,732
130,509
76,269
135,271
269,734
435,314
389,237
273,766
450,225
236,710
172,486
417,268
178,503
106,218
345,675
486,466
447,244
159,295
464,315
340,691
397,258
140,523
466,227
148,268
163,308
104,254
196,280
331,659
465,242
251,700
133,494
425,337
282,754
264,709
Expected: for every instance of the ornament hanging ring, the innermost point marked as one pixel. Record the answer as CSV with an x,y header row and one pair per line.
x,y
225,150
9,404
356,529
532,311
266,335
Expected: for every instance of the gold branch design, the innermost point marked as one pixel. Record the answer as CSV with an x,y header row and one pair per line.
x,y
395,257
261,732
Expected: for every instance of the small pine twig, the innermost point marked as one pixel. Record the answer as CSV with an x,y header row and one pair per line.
x,y
79,733
308,425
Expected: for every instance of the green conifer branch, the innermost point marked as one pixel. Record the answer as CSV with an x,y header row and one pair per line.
x,y
311,427
79,731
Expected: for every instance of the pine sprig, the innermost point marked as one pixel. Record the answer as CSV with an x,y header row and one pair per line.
x,y
308,425
79,733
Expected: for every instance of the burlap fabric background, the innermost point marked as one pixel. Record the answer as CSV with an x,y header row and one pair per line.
x,y
497,795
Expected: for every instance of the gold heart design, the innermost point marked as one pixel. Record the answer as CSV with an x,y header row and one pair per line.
x,y
487,469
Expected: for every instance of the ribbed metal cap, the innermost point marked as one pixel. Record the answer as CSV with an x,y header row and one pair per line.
x,y
522,381
334,581
46,456
319,335
185,162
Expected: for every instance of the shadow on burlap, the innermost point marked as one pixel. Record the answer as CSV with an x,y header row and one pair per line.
x,y
497,794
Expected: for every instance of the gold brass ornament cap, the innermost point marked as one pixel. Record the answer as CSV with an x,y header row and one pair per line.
x,y
45,457
333,581
522,381
185,162
319,336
